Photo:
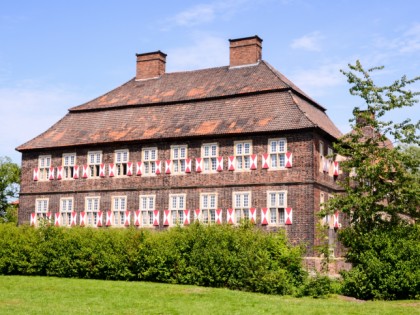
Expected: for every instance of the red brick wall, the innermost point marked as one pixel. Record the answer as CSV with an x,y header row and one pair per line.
x,y
303,181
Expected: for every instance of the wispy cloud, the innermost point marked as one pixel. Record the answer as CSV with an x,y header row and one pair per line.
x,y
411,39
317,81
198,14
29,111
206,51
310,42
209,12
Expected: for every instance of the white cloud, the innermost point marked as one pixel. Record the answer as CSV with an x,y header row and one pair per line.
x,y
206,51
317,81
310,42
198,14
206,13
411,39
30,111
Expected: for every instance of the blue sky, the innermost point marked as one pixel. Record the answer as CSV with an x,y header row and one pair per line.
x,y
58,54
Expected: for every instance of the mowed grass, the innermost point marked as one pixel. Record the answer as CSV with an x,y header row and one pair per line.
x,y
44,295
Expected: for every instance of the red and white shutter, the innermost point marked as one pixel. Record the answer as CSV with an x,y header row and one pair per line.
x,y
265,163
289,159
73,218
59,172
139,168
253,162
166,217
197,214
57,219
129,168
198,165
158,171
231,163
137,217
76,172
288,216
127,218
48,214
100,216
156,217
36,173
219,216
86,169
168,166
230,218
253,215
186,217
33,218
187,165
82,218
264,216
51,177
219,163
111,169
102,170
336,168
108,218
336,224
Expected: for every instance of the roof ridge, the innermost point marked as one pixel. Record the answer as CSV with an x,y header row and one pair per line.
x,y
300,109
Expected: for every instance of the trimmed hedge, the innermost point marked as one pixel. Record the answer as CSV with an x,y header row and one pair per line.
x,y
241,258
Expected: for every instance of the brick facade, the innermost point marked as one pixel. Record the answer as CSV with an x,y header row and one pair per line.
x,y
219,105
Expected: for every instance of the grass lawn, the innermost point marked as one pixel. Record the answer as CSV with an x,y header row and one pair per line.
x,y
42,295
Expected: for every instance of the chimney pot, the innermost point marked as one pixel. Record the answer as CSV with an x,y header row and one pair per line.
x,y
245,51
150,65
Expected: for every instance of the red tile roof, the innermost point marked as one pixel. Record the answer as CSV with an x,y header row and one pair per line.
x,y
207,102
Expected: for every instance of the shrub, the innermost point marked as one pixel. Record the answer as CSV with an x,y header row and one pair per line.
x,y
386,263
241,258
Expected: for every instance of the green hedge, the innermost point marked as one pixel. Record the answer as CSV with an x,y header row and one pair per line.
x,y
242,258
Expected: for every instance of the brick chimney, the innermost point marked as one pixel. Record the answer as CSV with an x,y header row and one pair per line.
x,y
150,65
245,51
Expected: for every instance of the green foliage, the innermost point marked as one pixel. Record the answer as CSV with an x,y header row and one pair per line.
x,y
9,188
319,286
386,263
241,258
382,192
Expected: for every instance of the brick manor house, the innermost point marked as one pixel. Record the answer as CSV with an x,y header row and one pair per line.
x,y
218,145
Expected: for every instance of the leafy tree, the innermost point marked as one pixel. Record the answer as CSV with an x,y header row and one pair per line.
x,y
382,190
9,188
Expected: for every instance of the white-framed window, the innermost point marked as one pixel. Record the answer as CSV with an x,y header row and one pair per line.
x,y
94,162
178,157
321,156
208,206
121,160
241,205
41,207
243,151
119,206
66,208
69,161
147,206
277,149
92,209
276,203
209,153
149,158
177,207
44,164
